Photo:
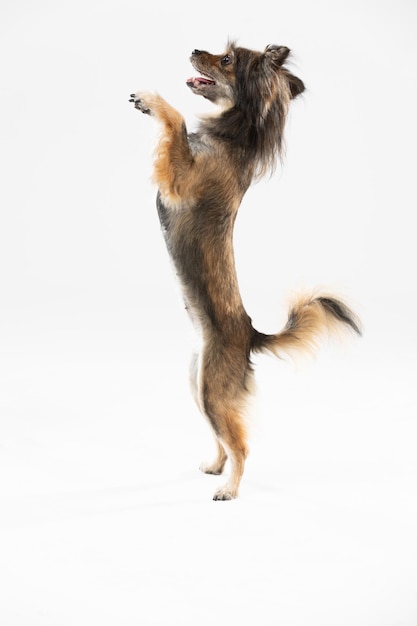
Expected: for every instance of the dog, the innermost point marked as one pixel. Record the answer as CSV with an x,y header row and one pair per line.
x,y
201,179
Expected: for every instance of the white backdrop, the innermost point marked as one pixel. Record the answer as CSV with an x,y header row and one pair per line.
x,y
104,516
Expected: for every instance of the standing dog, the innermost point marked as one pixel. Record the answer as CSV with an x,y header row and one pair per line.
x,y
202,178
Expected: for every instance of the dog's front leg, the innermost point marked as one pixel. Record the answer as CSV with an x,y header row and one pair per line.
x,y
173,158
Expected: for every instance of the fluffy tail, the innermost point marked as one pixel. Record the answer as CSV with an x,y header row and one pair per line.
x,y
309,319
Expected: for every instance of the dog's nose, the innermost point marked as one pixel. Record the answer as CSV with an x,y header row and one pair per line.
x,y
196,52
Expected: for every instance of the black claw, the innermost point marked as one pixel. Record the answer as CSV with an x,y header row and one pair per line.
x,y
132,95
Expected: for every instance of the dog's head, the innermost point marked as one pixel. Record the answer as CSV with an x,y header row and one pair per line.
x,y
254,90
234,76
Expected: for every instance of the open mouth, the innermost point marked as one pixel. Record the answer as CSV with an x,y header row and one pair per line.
x,y
199,81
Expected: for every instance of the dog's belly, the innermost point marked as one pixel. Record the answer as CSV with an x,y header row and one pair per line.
x,y
185,250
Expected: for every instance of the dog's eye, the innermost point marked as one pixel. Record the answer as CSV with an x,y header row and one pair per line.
x,y
226,60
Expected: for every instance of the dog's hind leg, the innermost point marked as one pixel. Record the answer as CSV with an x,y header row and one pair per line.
x,y
217,466
232,441
222,392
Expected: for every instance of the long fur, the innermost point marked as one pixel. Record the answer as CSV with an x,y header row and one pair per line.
x,y
202,178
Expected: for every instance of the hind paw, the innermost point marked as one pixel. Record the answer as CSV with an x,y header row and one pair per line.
x,y
212,468
225,494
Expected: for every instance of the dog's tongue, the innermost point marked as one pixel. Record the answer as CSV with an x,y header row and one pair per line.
x,y
196,81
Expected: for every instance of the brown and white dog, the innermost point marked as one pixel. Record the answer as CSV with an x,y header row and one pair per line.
x,y
202,178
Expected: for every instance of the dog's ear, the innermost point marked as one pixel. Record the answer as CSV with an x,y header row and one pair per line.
x,y
276,54
295,84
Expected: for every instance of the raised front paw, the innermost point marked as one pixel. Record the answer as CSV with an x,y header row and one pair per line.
x,y
141,102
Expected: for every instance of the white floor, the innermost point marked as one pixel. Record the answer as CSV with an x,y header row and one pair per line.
x,y
106,519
